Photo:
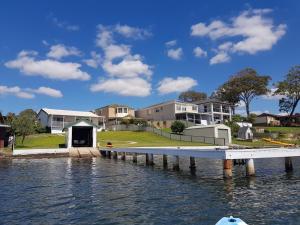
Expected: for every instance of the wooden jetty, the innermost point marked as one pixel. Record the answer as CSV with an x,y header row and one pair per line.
x,y
211,152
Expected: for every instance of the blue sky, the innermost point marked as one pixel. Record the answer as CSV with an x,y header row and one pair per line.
x,y
85,54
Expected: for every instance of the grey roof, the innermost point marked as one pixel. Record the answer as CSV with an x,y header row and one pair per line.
x,y
88,122
69,113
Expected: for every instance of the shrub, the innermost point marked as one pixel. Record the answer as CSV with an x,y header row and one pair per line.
x,y
177,127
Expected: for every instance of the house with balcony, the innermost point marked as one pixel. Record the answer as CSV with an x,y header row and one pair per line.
x,y
56,120
214,111
205,112
114,113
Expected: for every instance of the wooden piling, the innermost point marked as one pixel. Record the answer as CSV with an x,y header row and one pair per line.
x,y
134,158
123,156
165,161
151,159
115,155
192,164
147,158
108,153
288,164
250,169
176,163
227,168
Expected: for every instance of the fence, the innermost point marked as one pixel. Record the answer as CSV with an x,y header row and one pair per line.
x,y
188,138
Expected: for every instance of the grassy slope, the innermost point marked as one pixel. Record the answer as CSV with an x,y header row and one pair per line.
x,y
294,130
118,139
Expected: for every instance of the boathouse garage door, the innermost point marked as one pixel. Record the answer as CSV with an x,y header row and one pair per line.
x,y
82,136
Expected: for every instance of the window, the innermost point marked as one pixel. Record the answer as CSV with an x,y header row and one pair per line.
x,y
183,108
125,110
156,110
119,110
58,119
178,107
194,107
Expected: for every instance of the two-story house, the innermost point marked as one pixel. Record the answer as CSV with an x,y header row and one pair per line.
x,y
56,120
114,113
204,112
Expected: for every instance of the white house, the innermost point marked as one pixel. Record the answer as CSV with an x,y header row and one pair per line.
x,y
203,112
82,133
56,120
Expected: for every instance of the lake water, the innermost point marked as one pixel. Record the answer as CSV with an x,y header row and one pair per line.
x,y
103,191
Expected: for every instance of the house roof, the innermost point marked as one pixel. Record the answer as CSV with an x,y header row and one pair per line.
x,y
269,114
243,129
115,106
208,126
4,125
211,100
80,121
68,112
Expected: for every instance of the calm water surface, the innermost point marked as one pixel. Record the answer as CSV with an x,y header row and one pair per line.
x,y
103,191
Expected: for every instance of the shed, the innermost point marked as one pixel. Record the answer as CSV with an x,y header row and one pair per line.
x,y
245,133
211,131
4,135
82,133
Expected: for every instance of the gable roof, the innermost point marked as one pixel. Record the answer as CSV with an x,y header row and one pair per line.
x,y
69,113
80,121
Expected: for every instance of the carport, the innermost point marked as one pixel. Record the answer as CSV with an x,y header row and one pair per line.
x,y
81,134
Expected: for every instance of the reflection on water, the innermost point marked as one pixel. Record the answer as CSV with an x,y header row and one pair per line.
x,y
102,191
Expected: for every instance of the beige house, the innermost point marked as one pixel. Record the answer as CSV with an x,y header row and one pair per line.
x,y
266,119
206,112
114,113
56,119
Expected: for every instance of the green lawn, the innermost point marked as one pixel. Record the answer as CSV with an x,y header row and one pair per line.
x,y
293,130
117,138
41,141
139,139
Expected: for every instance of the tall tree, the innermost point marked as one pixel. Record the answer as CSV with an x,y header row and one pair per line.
x,y
192,96
25,123
245,86
227,94
290,88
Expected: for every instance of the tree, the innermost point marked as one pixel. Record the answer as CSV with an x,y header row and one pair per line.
x,y
290,88
1,118
177,127
245,86
228,94
25,123
192,96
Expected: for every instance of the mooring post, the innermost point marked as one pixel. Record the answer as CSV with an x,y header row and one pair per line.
x,y
147,158
227,168
288,164
176,163
151,160
123,156
115,155
108,154
250,169
165,161
134,158
192,164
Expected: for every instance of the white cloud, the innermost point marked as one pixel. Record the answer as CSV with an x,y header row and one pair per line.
x,y
116,51
175,54
16,91
257,32
48,68
128,67
47,91
44,42
199,52
64,25
94,61
126,87
220,57
132,32
171,43
29,93
171,85
270,95
59,51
